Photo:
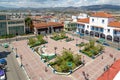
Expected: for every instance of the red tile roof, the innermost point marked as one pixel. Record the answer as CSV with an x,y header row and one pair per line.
x,y
46,25
85,20
114,24
102,14
111,72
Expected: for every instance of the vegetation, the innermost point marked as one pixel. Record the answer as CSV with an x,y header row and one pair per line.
x,y
66,62
91,49
36,42
47,57
80,45
69,39
29,23
59,36
7,36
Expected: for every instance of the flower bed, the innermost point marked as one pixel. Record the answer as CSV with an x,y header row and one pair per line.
x,y
91,50
67,62
36,41
58,38
69,39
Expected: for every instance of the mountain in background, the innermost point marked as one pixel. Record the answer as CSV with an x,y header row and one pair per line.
x,y
101,7
71,8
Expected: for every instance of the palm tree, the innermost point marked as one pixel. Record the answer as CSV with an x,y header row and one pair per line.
x,y
29,23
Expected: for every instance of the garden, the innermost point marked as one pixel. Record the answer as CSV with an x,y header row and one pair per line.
x,y
66,62
36,41
92,50
59,36
69,39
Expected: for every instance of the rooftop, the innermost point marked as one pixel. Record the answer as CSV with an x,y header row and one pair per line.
x,y
114,24
85,20
111,72
102,14
47,24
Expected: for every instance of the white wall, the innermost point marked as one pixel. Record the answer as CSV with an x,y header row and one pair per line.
x,y
109,33
98,21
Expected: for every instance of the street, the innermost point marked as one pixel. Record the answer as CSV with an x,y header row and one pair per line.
x,y
13,70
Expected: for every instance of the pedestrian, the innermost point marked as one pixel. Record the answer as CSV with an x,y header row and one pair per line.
x,y
83,73
87,75
46,69
111,55
102,57
104,69
114,59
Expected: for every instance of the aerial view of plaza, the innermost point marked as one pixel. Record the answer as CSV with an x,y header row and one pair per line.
x,y
59,39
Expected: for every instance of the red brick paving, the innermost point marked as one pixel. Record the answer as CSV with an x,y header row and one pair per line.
x,y
35,68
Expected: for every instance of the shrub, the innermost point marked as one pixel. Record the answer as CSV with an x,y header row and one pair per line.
x,y
61,62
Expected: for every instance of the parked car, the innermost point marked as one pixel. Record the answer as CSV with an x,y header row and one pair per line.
x,y
3,61
2,74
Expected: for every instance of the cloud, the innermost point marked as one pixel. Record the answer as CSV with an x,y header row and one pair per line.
x,y
54,3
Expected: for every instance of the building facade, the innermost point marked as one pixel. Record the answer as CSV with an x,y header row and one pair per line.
x,y
47,28
101,25
11,25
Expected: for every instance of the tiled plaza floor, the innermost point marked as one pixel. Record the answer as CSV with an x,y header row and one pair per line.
x,y
36,69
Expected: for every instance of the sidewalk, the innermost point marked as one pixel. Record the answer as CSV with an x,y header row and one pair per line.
x,y
19,61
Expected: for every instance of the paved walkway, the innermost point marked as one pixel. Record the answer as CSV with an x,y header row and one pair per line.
x,y
36,69
32,64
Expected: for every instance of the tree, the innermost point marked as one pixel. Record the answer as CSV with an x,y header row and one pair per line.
x,y
32,41
29,23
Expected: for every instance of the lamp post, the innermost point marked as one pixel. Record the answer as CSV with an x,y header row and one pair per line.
x,y
16,52
55,48
21,60
76,41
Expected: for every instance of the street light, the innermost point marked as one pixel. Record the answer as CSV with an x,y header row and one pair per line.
x,y
76,41
16,52
55,48
21,60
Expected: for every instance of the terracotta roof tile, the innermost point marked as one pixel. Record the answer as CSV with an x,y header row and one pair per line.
x,y
46,25
114,24
111,72
85,20
102,14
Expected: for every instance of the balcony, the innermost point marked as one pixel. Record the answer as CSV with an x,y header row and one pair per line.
x,y
81,26
96,29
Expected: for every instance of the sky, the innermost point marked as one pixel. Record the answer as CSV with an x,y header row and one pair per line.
x,y
54,3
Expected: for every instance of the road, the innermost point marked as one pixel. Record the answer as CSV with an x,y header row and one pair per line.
x,y
13,70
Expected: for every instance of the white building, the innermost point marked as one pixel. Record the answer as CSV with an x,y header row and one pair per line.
x,y
80,16
101,25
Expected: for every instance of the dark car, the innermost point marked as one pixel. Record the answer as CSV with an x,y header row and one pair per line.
x,y
3,61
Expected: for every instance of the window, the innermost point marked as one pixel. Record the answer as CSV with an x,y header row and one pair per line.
x,y
87,26
92,28
96,28
108,30
92,20
115,32
101,29
103,21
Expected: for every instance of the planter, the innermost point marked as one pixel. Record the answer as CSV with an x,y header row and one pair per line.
x,y
93,57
